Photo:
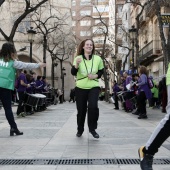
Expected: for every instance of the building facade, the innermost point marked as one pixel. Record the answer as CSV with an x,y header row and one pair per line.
x,y
16,8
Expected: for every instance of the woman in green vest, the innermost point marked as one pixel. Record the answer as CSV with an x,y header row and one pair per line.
x,y
8,66
87,68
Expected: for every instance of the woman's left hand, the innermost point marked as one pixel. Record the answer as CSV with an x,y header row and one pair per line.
x,y
92,76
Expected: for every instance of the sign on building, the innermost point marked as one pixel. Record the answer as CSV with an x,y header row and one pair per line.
x,y
165,19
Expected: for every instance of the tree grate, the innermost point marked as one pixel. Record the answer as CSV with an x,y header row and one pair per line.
x,y
78,161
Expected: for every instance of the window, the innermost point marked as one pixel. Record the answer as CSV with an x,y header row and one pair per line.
x,y
85,33
73,23
85,2
73,3
99,30
101,8
87,12
73,13
85,23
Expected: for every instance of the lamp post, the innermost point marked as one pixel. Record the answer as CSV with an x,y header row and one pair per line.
x,y
31,36
44,52
63,74
114,62
108,81
132,33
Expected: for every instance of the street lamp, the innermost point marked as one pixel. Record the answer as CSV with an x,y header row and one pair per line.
x,y
132,33
63,74
114,62
31,36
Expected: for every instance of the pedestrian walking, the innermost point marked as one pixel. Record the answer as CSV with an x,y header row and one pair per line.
x,y
160,134
87,68
8,66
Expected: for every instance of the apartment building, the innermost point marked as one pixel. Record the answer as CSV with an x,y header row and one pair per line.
x,y
150,49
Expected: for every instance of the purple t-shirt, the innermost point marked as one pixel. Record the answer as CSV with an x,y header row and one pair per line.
x,y
22,88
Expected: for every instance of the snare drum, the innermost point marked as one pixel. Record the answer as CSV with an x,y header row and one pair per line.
x,y
48,95
41,99
31,99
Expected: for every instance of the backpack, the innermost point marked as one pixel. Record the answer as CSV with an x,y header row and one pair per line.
x,y
17,83
150,83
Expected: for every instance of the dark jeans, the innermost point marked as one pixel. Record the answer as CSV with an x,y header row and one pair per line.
x,y
5,97
90,96
116,101
21,102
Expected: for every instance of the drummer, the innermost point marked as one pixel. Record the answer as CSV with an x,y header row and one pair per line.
x,y
21,92
44,82
29,90
39,84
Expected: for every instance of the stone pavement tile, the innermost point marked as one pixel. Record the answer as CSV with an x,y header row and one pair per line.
x,y
88,167
130,167
51,152
12,167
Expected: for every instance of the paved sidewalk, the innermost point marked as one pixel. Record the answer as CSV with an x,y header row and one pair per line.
x,y
52,135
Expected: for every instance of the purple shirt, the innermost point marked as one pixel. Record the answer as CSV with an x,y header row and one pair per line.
x,y
22,77
143,86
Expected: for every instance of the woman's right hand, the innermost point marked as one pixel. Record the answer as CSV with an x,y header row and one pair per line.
x,y
78,61
42,64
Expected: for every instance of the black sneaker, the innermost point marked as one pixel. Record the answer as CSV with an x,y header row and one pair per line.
x,y
135,113
146,160
142,116
95,135
79,134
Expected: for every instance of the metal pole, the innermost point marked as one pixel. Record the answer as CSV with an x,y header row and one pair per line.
x,y
44,53
133,54
63,88
30,52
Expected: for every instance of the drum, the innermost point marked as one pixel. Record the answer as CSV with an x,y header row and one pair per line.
x,y
48,95
41,99
31,99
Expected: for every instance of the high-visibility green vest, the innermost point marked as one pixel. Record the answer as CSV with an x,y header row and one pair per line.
x,y
86,67
7,74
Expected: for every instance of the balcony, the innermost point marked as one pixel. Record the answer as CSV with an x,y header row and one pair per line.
x,y
150,9
151,51
120,2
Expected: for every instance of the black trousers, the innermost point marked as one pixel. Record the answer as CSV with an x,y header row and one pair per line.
x,y
5,97
141,102
21,102
87,100
116,101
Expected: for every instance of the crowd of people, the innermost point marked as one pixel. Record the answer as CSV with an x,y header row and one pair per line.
x,y
135,91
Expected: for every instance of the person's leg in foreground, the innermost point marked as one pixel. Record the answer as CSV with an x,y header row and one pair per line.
x,y
160,134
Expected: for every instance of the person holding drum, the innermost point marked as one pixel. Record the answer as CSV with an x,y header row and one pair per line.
x,y
87,68
8,66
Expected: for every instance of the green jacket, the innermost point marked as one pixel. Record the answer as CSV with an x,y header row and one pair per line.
x,y
7,74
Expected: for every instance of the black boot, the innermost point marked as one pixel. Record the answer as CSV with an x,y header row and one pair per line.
x,y
16,131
